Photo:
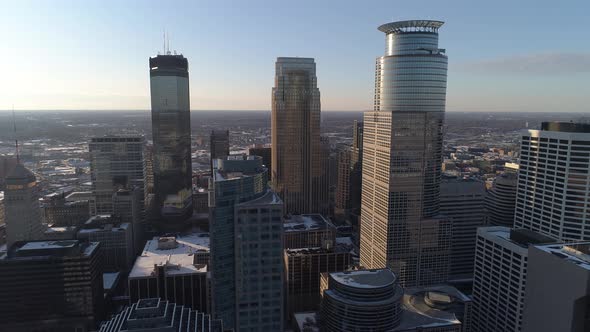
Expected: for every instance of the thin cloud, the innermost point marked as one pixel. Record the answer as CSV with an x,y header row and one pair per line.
x,y
532,64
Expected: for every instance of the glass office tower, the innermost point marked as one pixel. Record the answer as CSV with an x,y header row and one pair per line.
x,y
402,154
246,246
171,132
298,165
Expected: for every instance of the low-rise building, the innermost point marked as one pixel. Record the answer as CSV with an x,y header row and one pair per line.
x,y
116,238
154,314
173,269
307,231
57,211
303,268
373,300
51,286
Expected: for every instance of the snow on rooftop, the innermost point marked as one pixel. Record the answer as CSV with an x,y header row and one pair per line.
x,y
270,197
347,240
304,222
176,264
37,245
179,258
575,253
307,321
106,228
186,244
60,229
365,278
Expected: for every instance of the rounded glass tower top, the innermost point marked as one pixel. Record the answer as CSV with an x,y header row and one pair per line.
x,y
411,37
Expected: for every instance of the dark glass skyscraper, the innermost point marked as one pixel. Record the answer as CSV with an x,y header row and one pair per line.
x,y
172,138
219,145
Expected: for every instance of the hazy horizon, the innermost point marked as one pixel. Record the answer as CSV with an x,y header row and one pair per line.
x,y
93,55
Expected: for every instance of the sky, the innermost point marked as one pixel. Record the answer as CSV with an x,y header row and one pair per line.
x,y
91,55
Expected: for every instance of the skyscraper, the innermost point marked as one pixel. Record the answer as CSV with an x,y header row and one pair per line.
x,y
246,246
265,152
500,275
557,288
303,267
219,145
463,202
356,160
357,141
297,166
171,130
21,205
116,162
116,241
343,185
402,155
553,194
500,200
51,286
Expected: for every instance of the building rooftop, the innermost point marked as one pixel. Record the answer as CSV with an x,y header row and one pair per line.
x,y
237,166
270,197
176,253
185,244
59,248
106,228
155,314
410,26
305,222
431,306
176,264
338,248
61,229
568,127
307,321
521,238
575,253
20,174
48,245
109,280
365,278
415,320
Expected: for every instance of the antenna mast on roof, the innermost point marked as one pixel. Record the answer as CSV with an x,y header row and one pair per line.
x,y
164,39
168,44
15,139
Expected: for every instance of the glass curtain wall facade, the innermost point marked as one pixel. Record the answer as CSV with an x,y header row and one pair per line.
x,y
218,144
115,163
171,130
402,153
235,182
297,166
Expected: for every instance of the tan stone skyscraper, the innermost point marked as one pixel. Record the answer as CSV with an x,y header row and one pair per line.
x,y
298,169
402,145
